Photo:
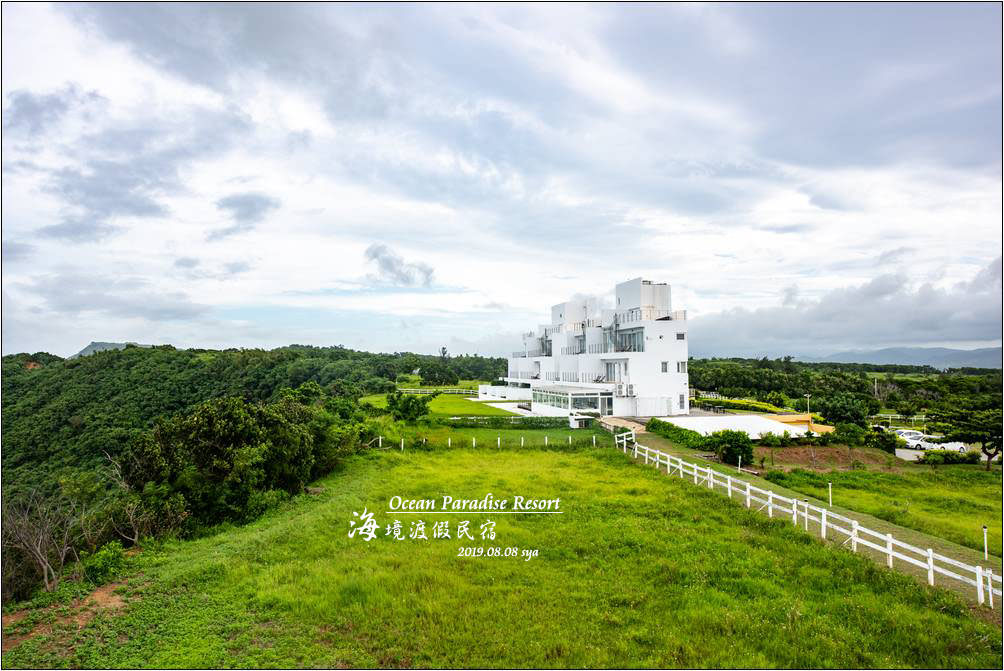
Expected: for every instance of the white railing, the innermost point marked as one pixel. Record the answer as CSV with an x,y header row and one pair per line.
x,y
987,583
461,392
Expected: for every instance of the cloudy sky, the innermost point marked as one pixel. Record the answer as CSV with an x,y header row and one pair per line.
x,y
809,178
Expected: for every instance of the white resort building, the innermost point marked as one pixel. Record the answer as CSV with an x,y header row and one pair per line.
x,y
628,361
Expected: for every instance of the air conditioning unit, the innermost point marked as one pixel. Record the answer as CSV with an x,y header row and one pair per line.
x,y
630,390
620,390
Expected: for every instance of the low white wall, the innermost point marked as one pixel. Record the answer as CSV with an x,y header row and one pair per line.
x,y
487,392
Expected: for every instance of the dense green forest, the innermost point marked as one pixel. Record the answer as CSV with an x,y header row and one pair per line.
x,y
849,392
61,414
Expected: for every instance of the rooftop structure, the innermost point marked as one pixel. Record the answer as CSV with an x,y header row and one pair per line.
x,y
630,360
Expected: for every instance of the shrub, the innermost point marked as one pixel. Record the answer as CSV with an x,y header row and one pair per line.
x,y
770,440
107,562
884,440
738,404
409,407
943,457
506,422
730,446
849,434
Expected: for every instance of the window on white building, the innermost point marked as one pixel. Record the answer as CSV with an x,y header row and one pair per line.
x,y
682,401
681,366
665,366
681,336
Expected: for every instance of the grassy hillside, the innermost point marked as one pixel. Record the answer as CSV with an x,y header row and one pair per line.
x,y
446,405
952,502
640,570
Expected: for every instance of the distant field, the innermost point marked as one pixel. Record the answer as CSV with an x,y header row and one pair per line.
x,y
446,405
952,502
641,570
462,384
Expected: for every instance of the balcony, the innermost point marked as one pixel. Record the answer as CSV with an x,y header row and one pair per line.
x,y
646,314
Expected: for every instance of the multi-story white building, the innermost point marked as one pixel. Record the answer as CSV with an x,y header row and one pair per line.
x,y
626,361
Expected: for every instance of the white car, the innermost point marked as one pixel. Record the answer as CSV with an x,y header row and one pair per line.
x,y
928,443
912,438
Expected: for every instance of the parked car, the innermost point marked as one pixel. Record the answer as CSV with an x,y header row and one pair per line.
x,y
929,443
912,438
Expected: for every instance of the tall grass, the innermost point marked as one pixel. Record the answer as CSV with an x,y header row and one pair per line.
x,y
952,502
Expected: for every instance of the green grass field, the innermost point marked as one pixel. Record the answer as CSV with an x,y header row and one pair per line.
x,y
415,382
446,405
953,502
640,570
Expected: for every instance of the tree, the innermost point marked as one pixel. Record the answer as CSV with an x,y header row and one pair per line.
x,y
844,407
971,426
409,407
730,446
44,529
438,373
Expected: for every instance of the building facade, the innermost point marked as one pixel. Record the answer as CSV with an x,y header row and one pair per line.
x,y
627,361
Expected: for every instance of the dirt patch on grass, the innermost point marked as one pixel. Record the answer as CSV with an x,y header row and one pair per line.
x,y
827,458
82,611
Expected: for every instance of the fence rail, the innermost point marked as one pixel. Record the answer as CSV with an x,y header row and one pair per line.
x,y
986,583
461,392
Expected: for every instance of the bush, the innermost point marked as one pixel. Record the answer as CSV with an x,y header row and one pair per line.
x,y
104,564
770,440
884,440
738,404
506,422
849,434
730,446
947,457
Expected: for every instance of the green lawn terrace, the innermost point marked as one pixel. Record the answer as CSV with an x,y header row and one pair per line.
x,y
640,570
447,405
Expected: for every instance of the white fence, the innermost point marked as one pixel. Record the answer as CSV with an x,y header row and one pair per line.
x,y
826,522
461,392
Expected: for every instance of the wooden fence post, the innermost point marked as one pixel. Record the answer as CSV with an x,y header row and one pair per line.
x,y
449,441
545,441
380,442
822,524
521,441
498,441
854,536
748,502
594,440
930,566
402,444
888,548
728,484
770,503
474,441
794,511
979,585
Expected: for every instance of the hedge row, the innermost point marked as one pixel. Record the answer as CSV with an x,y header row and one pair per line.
x,y
506,422
940,457
737,404
680,436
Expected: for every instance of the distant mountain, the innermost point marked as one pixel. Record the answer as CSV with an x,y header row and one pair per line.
x,y
938,357
103,346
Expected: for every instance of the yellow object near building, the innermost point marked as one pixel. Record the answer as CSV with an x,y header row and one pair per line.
x,y
803,422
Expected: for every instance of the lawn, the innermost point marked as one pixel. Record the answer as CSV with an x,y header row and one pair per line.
x,y
640,570
953,502
446,405
415,382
